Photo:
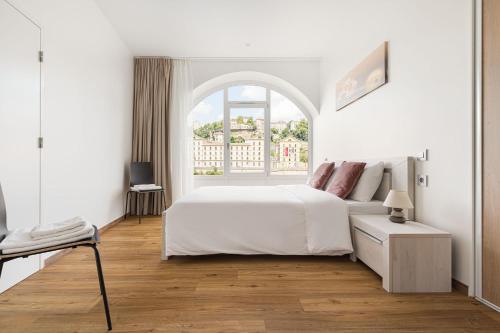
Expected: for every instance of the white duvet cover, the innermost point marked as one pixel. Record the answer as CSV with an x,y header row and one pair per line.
x,y
283,220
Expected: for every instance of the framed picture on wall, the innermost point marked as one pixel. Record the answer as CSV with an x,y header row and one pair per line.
x,y
367,76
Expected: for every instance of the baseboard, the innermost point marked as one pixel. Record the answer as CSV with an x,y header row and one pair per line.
x,y
460,287
59,254
488,303
111,224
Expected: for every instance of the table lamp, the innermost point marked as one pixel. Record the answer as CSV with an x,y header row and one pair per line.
x,y
398,200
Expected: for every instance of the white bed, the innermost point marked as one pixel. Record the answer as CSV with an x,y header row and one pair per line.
x,y
285,219
281,220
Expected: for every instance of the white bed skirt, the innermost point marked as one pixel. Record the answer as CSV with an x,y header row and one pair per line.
x,y
281,220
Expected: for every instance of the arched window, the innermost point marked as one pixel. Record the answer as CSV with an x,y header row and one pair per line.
x,y
250,129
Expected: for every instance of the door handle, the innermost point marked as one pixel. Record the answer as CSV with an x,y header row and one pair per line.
x,y
373,238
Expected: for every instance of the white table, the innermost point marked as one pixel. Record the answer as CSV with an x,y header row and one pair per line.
x,y
410,257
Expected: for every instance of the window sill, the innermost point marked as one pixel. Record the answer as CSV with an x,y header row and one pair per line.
x,y
249,176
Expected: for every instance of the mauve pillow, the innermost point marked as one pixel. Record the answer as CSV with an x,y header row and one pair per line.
x,y
321,175
345,178
333,174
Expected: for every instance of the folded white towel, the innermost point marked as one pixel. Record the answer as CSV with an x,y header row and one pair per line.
x,y
145,187
53,242
57,234
66,233
21,238
55,229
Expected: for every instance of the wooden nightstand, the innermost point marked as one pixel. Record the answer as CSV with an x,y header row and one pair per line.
x,y
410,257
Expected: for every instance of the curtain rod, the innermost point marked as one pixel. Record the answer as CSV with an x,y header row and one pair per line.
x,y
263,59
157,57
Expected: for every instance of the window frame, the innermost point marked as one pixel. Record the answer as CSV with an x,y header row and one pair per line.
x,y
267,130
227,129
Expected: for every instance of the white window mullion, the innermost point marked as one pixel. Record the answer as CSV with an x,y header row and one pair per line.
x,y
267,134
227,135
310,147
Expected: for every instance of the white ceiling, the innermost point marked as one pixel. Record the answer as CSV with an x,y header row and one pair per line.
x,y
234,28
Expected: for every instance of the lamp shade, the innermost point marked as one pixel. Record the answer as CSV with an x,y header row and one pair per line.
x,y
398,199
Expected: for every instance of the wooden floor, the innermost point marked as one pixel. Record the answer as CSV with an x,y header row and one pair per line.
x,y
223,294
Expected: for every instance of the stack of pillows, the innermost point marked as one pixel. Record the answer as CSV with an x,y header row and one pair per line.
x,y
353,180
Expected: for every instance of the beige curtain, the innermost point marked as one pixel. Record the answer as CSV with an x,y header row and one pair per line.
x,y
152,77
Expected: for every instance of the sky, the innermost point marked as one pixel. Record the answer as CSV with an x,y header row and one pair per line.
x,y
212,107
255,113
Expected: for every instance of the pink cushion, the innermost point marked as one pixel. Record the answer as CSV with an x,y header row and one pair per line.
x,y
345,178
321,175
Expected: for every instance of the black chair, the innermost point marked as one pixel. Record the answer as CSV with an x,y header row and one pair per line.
x,y
89,242
141,173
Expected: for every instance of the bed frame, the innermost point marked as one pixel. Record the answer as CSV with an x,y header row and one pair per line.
x,y
399,173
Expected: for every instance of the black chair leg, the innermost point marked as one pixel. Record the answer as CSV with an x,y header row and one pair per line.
x,y
102,286
164,199
140,206
161,201
1,267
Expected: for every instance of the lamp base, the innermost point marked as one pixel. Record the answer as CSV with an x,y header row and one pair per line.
x,y
397,216
397,219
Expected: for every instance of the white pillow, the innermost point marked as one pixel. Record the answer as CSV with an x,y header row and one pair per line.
x,y
368,183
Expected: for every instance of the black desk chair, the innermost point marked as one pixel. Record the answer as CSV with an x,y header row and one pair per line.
x,y
141,173
89,242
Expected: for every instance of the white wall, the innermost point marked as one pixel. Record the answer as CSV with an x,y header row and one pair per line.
x,y
86,111
303,74
426,104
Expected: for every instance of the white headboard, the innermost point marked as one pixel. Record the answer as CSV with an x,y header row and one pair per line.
x,y
399,174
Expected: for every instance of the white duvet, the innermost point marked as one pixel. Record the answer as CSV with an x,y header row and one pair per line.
x,y
283,220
